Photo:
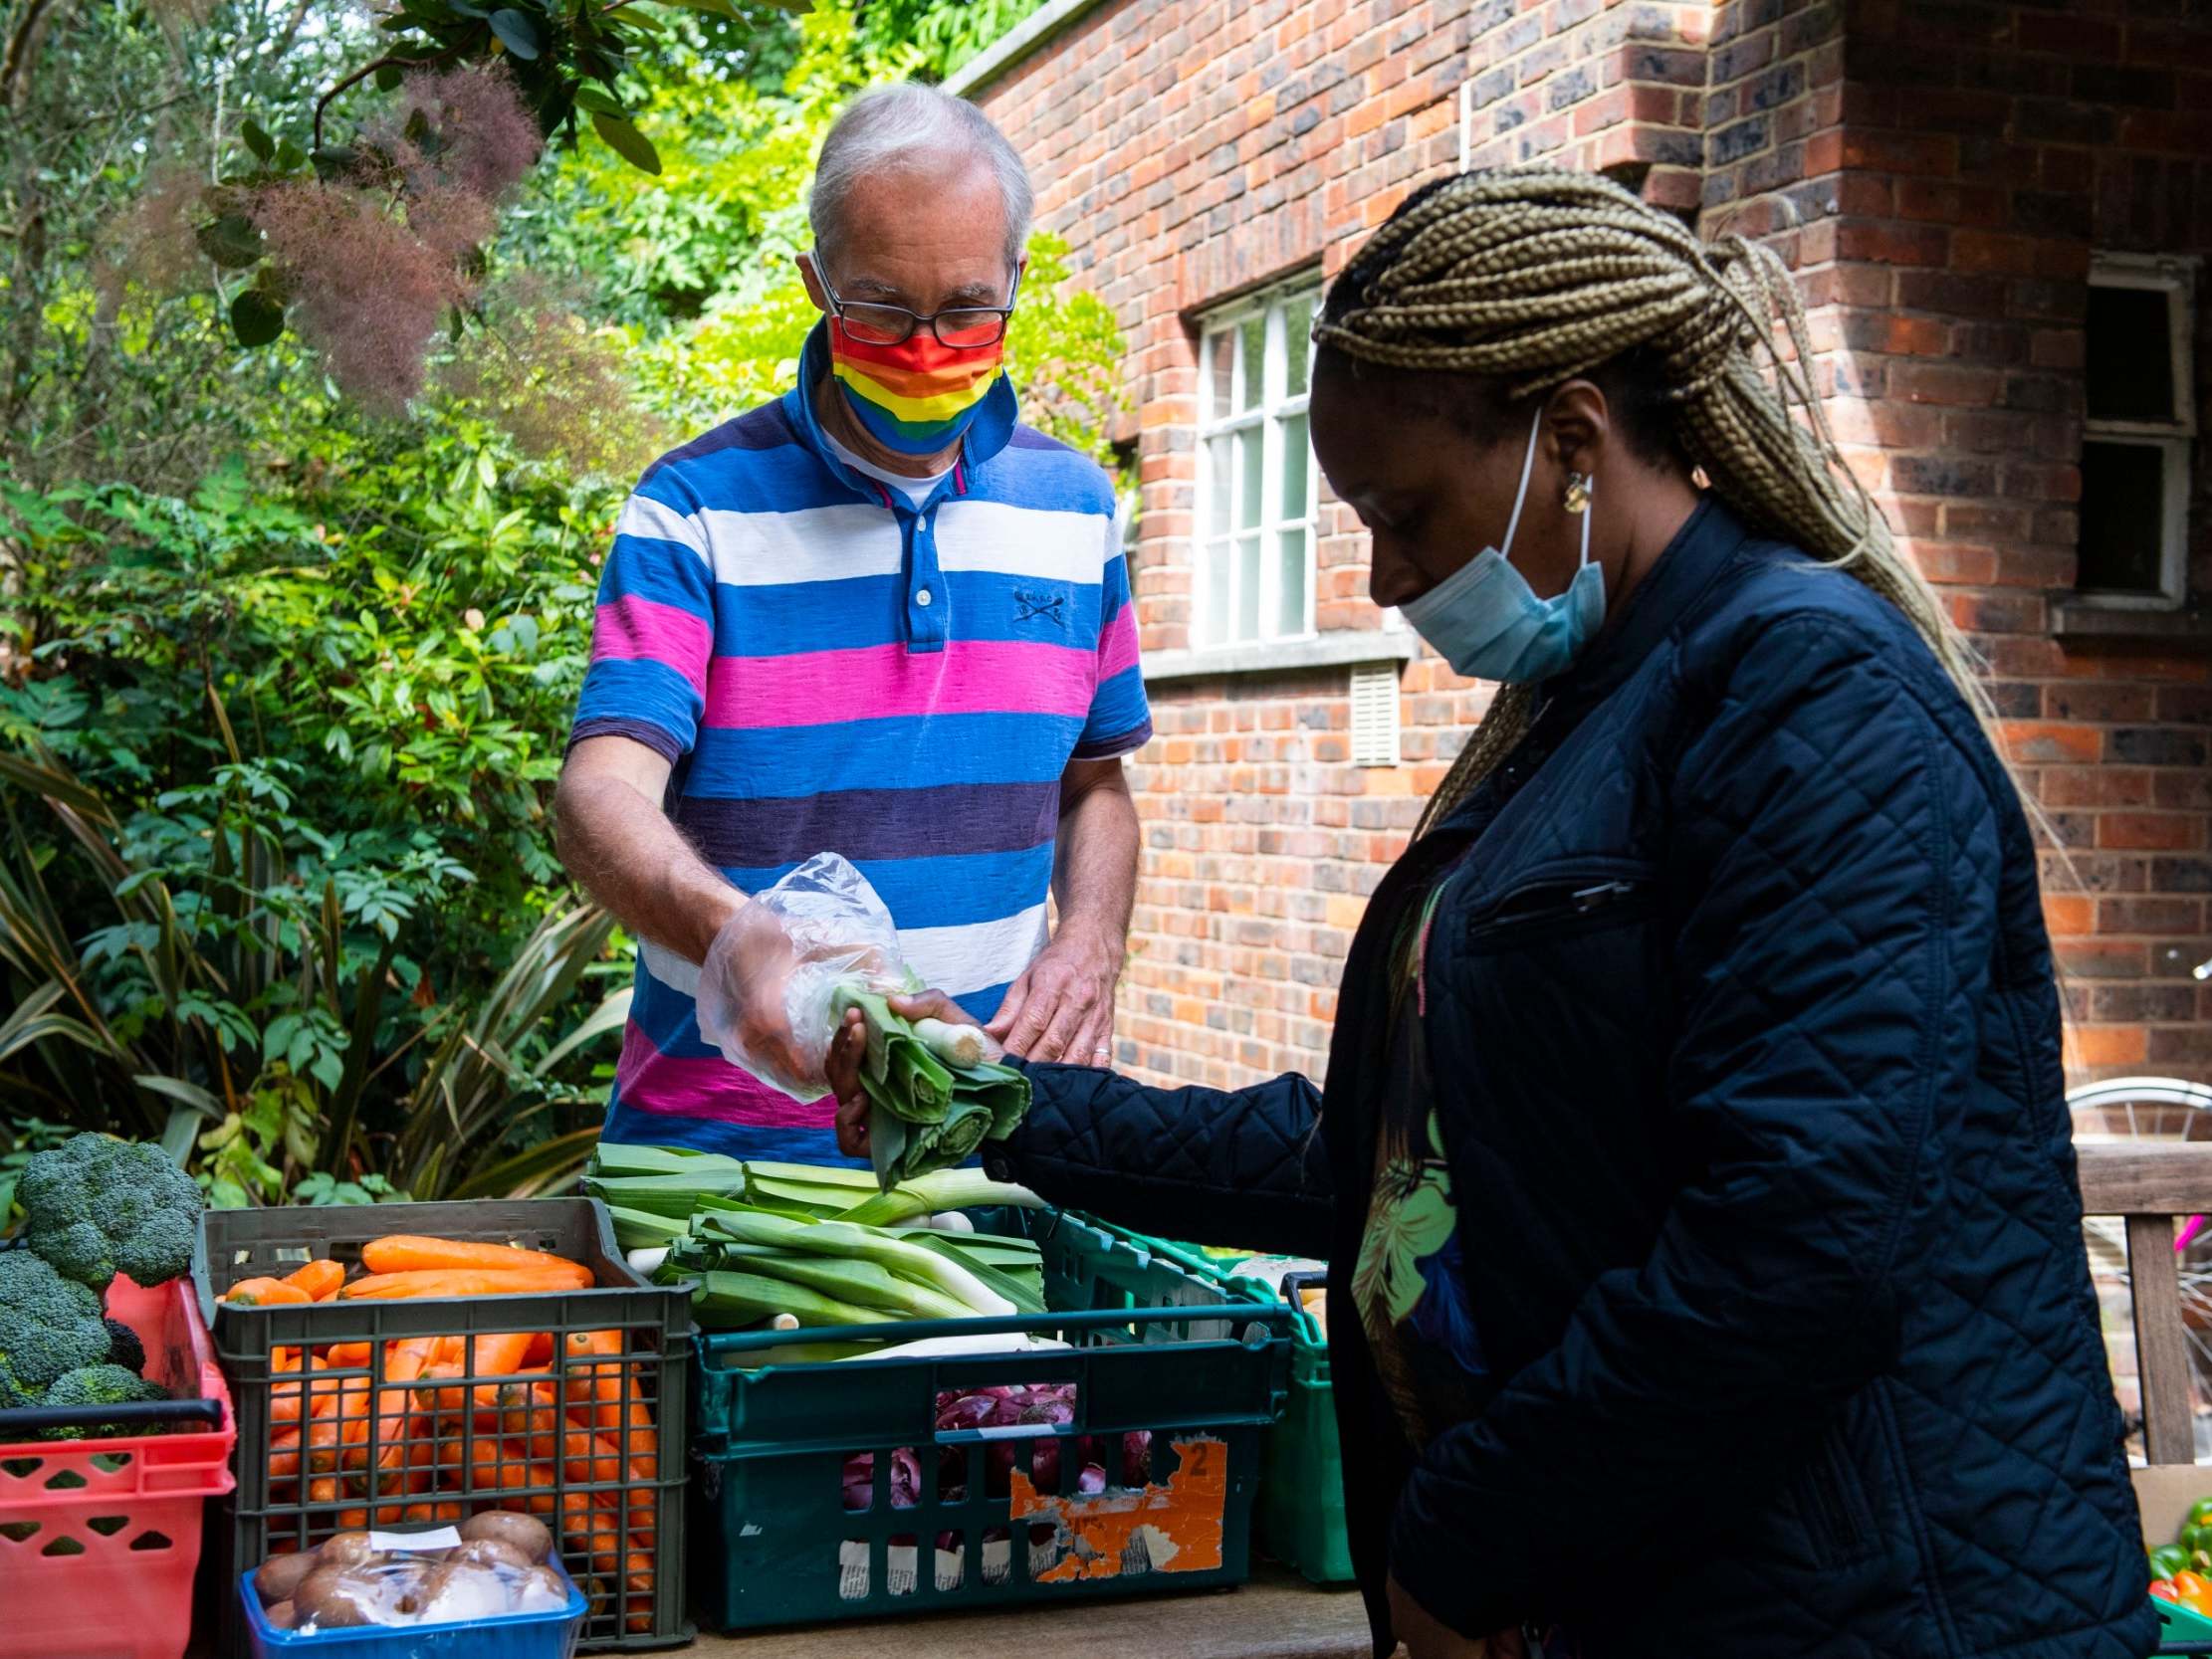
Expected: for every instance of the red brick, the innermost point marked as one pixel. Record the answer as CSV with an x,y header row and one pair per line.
x,y
2156,831
2028,743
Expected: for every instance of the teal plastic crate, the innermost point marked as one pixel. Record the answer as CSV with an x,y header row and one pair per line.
x,y
1154,1350
2183,1631
1300,1513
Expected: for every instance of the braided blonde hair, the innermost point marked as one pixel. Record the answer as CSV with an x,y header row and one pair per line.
x,y
1533,276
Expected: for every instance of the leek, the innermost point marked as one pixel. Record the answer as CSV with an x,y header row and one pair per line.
x,y
840,1238
924,1113
725,1300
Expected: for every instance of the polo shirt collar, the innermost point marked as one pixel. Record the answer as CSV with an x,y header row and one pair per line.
x,y
987,435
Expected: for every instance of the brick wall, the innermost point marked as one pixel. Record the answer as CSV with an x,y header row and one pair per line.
x,y
1940,178
1937,171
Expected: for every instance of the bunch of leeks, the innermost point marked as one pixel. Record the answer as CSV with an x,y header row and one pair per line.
x,y
793,1245
933,1097
644,1187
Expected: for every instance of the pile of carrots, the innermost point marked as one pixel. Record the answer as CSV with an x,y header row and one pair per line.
x,y
434,1426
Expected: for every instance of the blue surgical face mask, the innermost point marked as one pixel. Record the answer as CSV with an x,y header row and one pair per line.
x,y
1485,621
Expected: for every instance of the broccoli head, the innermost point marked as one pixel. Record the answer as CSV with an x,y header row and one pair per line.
x,y
49,1325
99,1385
96,1206
124,1347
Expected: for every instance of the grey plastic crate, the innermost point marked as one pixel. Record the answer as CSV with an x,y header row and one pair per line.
x,y
638,1516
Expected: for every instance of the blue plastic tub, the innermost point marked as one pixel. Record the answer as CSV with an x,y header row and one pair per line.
x,y
547,1635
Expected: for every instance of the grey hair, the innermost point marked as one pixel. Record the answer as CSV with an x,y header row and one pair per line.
x,y
886,127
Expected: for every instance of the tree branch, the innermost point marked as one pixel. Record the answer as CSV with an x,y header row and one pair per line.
x,y
367,70
22,44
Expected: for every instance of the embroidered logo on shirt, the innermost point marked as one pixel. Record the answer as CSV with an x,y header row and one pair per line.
x,y
1033,605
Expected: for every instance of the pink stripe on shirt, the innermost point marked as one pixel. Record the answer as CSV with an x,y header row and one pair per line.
x,y
631,629
646,1080
1118,649
878,682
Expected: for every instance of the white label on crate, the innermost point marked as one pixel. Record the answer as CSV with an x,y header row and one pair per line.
x,y
435,1537
852,1570
997,1559
950,1568
900,1568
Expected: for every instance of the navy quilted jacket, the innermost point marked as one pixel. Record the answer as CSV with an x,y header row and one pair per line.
x,y
1741,1021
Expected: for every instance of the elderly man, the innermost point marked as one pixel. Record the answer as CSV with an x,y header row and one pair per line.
x,y
877,617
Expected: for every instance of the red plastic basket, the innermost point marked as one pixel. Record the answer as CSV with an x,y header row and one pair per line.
x,y
99,1539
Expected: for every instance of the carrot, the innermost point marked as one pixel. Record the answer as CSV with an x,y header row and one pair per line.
x,y
320,1279
501,1467
597,1387
411,1252
459,1282
347,1356
323,1490
264,1293
284,1454
541,1350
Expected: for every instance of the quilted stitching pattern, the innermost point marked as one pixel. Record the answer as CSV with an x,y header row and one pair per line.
x,y
1835,1022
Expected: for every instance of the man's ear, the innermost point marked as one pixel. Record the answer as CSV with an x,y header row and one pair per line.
x,y
812,276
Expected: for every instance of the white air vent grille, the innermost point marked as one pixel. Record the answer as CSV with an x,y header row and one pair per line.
x,y
1375,715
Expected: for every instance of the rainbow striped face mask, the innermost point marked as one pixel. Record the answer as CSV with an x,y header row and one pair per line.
x,y
917,397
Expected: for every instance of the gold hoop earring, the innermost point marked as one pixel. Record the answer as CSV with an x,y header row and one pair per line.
x,y
1578,492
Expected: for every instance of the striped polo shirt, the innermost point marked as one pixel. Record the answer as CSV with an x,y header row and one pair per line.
x,y
832,667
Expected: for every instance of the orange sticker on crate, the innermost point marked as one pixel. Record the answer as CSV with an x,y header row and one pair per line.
x,y
1175,1527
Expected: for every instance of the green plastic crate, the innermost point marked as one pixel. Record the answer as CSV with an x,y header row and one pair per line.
x,y
1300,1514
1155,1349
2181,1631
267,1512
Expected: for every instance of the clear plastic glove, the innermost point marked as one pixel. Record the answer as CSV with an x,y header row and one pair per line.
x,y
764,988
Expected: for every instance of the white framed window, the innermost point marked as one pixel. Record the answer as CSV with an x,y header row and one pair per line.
x,y
1257,475
2139,438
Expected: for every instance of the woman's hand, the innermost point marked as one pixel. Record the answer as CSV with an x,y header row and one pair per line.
x,y
850,1047
1426,1637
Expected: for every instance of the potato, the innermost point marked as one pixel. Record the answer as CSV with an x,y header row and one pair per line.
x,y
334,1598
526,1532
491,1551
278,1576
349,1549
279,1615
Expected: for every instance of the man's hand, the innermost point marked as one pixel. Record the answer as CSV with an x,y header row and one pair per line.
x,y
1062,1007
850,1048
741,987
1426,1637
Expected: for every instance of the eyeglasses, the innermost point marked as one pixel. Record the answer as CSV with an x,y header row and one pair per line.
x,y
962,327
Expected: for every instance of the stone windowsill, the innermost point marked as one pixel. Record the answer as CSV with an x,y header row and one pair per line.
x,y
1346,648
2078,619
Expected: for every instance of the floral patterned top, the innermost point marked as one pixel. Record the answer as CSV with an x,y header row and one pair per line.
x,y
1407,1287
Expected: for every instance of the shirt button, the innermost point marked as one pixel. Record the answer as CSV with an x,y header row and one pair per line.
x,y
923,597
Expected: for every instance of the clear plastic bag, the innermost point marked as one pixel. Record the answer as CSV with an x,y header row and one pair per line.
x,y
497,1566
766,986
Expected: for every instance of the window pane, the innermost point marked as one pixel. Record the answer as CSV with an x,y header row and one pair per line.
x,y
2131,356
1293,495
2124,516
1221,352
1297,326
1291,608
1256,360
1251,445
1221,485
1248,587
1216,593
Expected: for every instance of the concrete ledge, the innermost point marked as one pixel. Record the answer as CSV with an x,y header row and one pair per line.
x,y
1013,46
1343,649
2190,629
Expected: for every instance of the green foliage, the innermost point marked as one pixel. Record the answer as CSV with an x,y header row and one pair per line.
x,y
284,689
943,35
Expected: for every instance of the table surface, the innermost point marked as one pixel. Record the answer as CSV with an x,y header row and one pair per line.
x,y
1277,1615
